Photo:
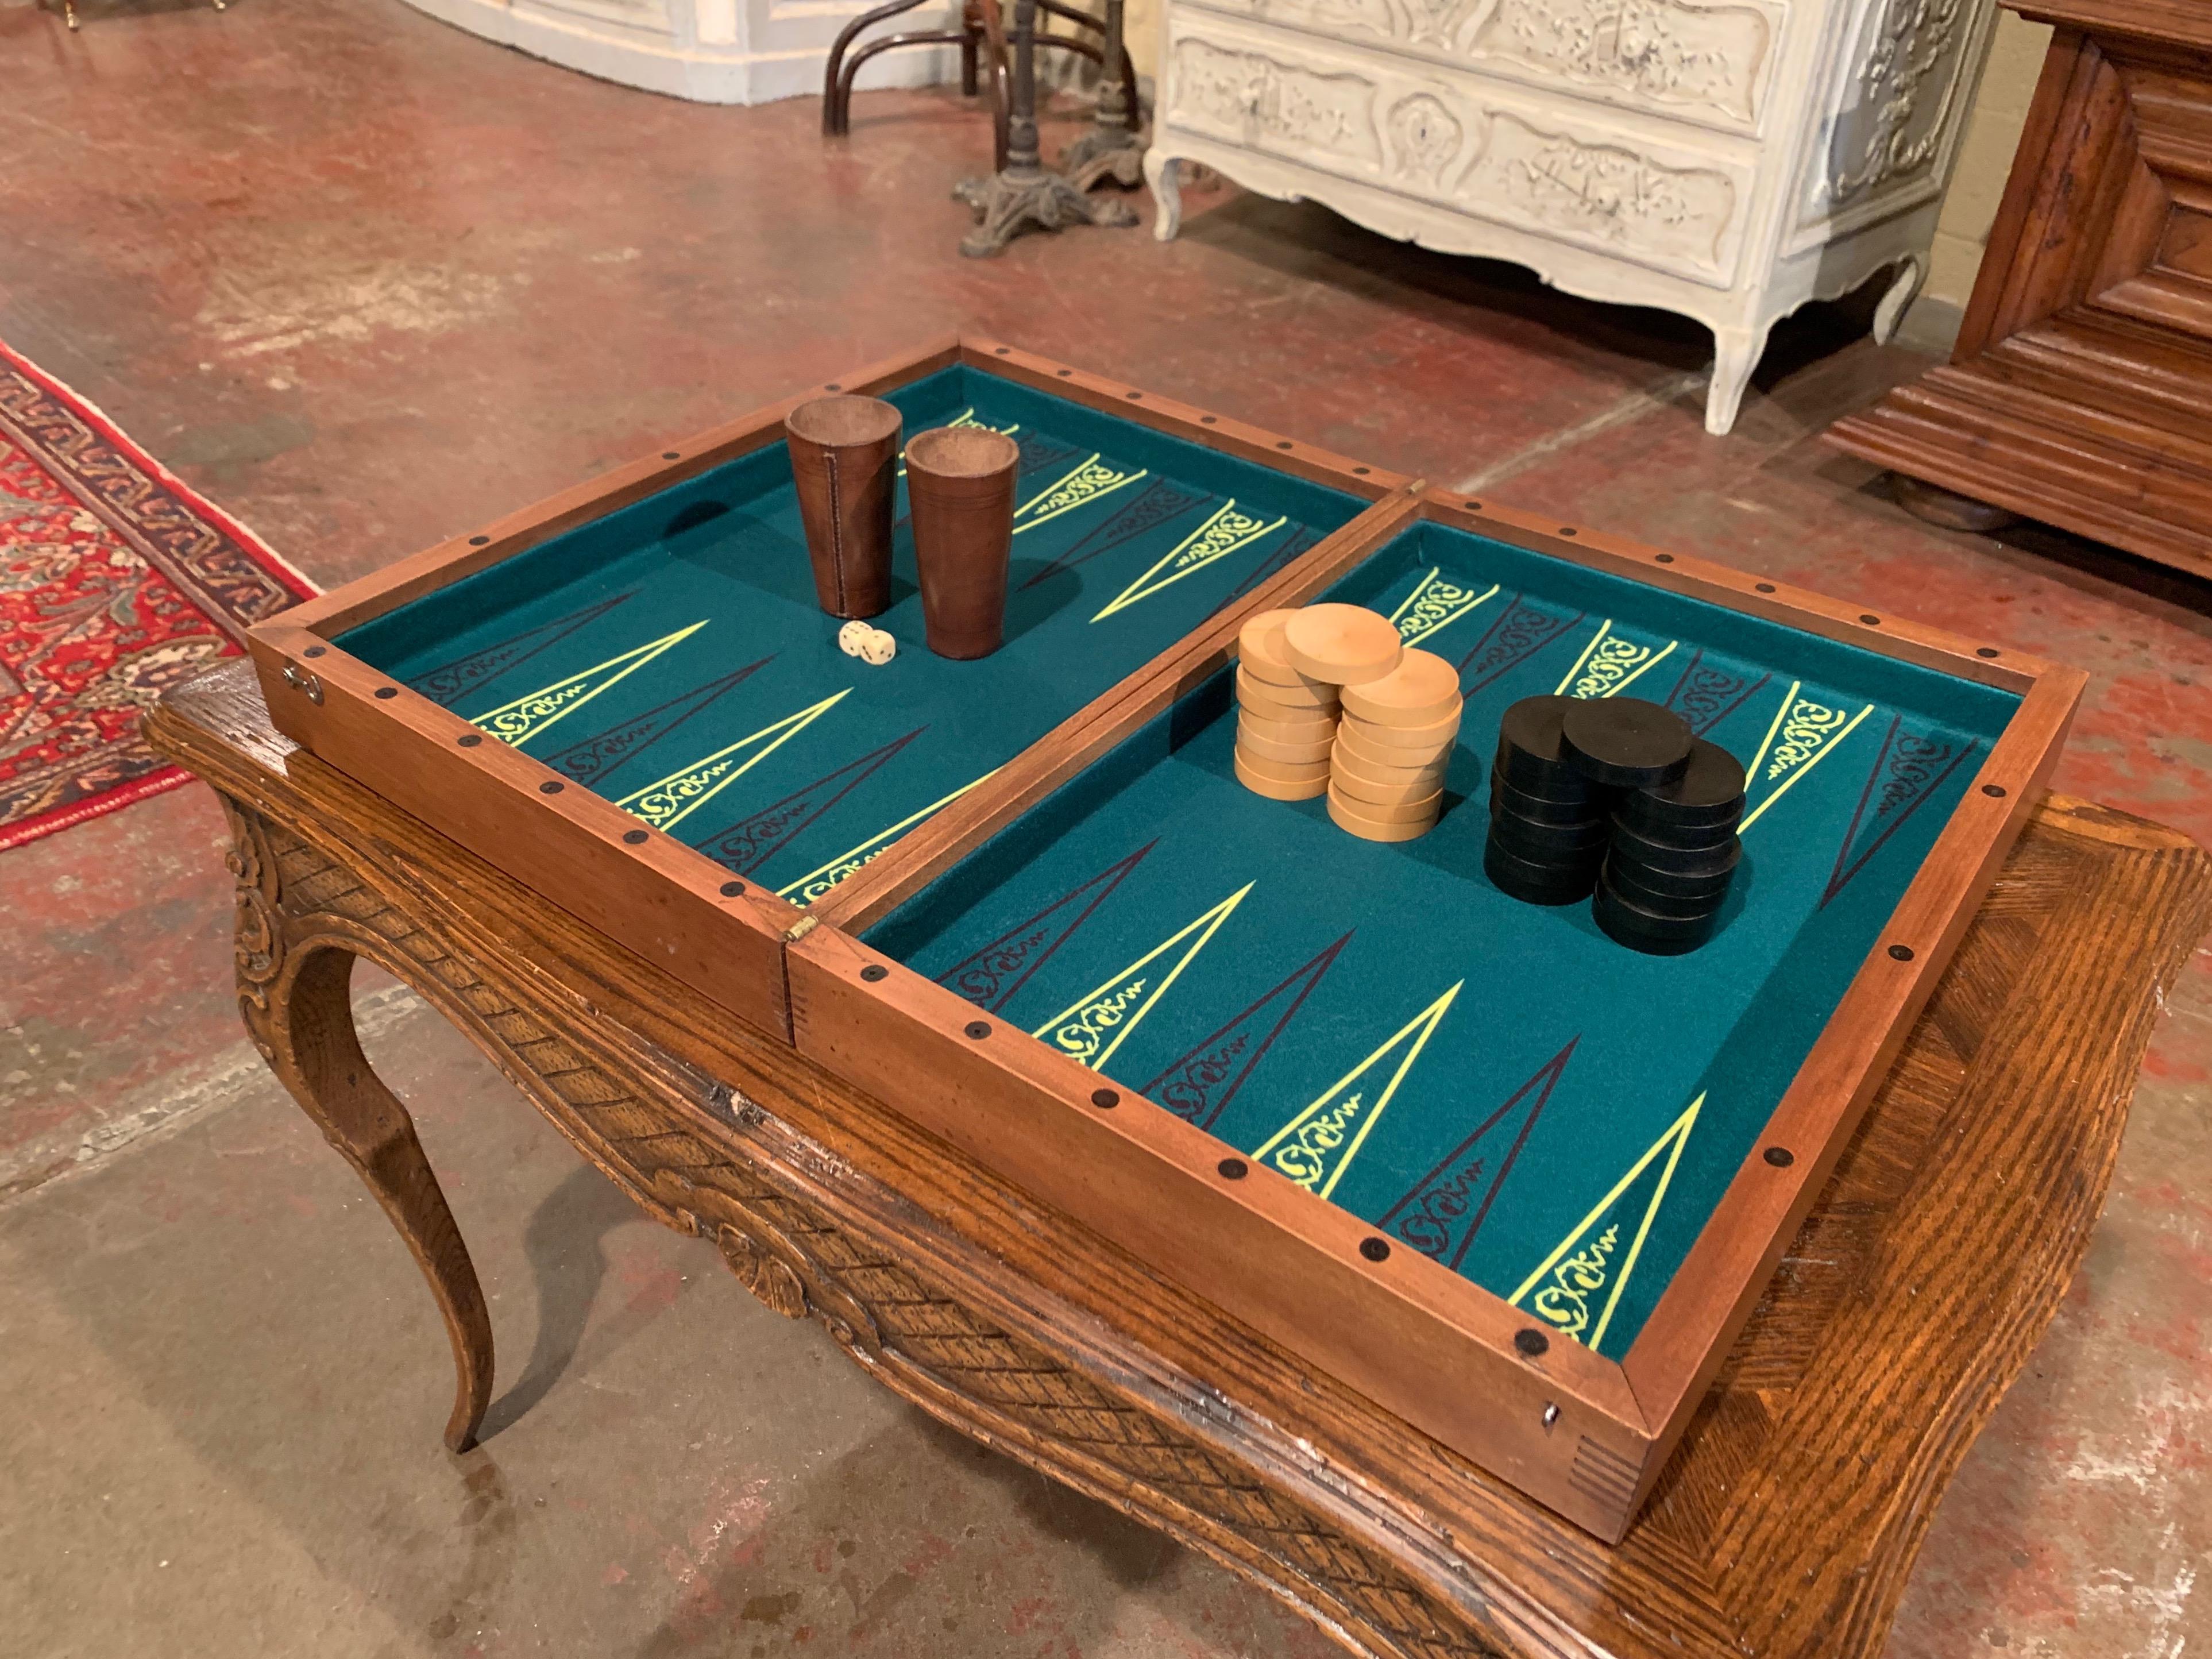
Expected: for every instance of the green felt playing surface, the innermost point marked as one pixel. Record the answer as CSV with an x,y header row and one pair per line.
x,y
1497,1085
671,657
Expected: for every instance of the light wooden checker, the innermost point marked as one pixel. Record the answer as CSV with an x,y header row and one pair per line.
x,y
1358,824
1266,708
1359,766
1342,644
1285,771
1290,680
1385,758
1309,696
1419,738
1260,645
1276,789
1290,731
1260,651
1423,690
1268,749
1393,811
1427,787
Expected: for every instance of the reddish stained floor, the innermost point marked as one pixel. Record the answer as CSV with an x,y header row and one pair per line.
x,y
368,282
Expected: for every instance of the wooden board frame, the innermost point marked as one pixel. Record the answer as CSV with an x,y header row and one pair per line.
x,y
1585,1435
670,904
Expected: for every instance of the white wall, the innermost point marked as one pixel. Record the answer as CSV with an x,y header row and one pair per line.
x,y
1985,163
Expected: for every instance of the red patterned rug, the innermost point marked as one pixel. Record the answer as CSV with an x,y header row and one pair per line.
x,y
116,582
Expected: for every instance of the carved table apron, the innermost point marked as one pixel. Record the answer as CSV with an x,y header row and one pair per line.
x,y
1787,1520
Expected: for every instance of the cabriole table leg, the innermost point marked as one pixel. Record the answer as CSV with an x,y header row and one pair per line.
x,y
294,990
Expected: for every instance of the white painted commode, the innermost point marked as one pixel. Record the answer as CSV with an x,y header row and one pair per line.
x,y
1727,161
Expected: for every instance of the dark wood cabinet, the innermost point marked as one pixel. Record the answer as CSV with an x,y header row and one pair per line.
x,y
2080,392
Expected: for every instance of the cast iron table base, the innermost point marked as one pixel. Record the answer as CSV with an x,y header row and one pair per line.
x,y
1024,192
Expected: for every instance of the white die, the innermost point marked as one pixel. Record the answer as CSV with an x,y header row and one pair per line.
x,y
851,636
878,648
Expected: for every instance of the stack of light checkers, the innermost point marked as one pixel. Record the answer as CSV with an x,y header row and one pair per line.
x,y
1286,719
1328,703
1615,797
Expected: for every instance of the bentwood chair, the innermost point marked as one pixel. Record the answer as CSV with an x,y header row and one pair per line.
x,y
981,36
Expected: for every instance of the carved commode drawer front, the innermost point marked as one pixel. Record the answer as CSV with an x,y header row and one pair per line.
x,y
1709,64
1457,141
1901,81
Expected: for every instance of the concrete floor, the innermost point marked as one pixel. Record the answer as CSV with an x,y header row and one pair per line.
x,y
368,282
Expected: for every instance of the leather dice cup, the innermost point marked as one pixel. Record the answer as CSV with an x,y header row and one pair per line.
x,y
960,488
844,460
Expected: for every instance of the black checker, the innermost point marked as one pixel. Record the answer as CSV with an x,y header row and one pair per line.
x,y
1531,754
1663,889
1719,850
1594,803
1626,741
1550,843
1653,934
1535,883
1708,796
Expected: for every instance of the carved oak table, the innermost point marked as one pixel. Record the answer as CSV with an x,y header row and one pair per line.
x,y
1785,1524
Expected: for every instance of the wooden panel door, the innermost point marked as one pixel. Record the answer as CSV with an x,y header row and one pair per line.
x,y
2077,392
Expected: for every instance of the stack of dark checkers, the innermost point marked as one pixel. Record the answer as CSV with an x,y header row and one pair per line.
x,y
1549,820
1615,797
1674,851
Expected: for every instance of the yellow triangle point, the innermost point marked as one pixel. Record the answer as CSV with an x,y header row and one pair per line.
x,y
1435,602
515,723
1317,1146
1590,1261
1091,1028
1809,732
1086,482
666,801
1223,533
816,882
1610,664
